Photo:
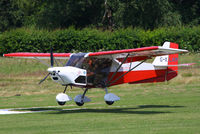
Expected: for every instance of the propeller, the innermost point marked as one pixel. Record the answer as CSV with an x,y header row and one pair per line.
x,y
44,78
52,62
51,56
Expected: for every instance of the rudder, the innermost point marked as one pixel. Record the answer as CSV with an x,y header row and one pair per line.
x,y
170,62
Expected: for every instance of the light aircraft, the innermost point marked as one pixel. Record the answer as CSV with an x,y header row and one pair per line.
x,y
109,68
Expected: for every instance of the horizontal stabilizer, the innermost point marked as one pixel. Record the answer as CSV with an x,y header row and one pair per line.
x,y
186,64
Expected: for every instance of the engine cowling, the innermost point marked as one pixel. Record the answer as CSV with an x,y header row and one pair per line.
x,y
68,75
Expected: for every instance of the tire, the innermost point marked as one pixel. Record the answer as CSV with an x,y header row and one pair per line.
x,y
61,103
79,103
109,102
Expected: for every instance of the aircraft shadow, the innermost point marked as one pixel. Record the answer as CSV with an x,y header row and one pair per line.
x,y
122,110
118,111
127,110
159,106
141,109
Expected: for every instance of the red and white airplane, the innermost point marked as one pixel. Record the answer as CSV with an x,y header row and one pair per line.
x,y
109,68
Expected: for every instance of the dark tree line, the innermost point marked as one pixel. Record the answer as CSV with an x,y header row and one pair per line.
x,y
59,14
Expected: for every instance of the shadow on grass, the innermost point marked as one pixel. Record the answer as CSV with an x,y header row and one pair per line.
x,y
126,110
117,111
38,109
159,106
136,110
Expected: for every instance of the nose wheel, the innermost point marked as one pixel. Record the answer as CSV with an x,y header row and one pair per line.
x,y
62,98
61,103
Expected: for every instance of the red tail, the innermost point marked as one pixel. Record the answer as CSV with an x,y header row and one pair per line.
x,y
172,71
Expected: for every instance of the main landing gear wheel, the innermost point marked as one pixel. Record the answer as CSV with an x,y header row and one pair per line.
x,y
109,102
110,98
81,99
79,103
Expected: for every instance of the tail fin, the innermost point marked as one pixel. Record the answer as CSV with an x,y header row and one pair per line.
x,y
173,59
168,62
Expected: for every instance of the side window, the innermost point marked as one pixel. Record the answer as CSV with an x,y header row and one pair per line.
x,y
97,70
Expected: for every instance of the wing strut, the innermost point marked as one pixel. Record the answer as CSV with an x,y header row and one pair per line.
x,y
43,62
118,68
108,84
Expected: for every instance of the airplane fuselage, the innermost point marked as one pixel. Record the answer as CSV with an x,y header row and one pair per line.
x,y
144,73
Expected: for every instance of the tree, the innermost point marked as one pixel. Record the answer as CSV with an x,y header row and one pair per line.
x,y
189,11
148,14
62,14
10,15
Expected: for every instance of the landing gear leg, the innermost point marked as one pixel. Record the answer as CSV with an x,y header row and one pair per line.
x,y
65,88
84,94
81,99
106,90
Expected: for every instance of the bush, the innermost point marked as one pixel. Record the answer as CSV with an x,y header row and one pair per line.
x,y
89,40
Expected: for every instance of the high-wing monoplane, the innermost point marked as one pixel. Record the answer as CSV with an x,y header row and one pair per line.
x,y
108,68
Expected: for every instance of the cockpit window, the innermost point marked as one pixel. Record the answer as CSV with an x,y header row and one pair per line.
x,y
76,60
97,68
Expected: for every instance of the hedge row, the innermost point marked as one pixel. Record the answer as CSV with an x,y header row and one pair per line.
x,y
85,40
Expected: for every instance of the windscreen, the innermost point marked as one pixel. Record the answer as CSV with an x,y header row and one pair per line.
x,y
76,60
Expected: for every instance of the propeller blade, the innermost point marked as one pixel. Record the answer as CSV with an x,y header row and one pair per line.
x,y
52,60
44,78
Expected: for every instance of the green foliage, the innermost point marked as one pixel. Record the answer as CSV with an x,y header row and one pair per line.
x,y
86,40
10,15
52,14
148,14
189,11
24,40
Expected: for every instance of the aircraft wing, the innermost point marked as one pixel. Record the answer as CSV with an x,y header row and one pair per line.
x,y
138,54
38,55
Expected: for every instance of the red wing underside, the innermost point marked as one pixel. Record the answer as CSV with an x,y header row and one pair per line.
x,y
134,54
137,54
38,55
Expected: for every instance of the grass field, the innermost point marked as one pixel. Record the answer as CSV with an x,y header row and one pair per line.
x,y
162,108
